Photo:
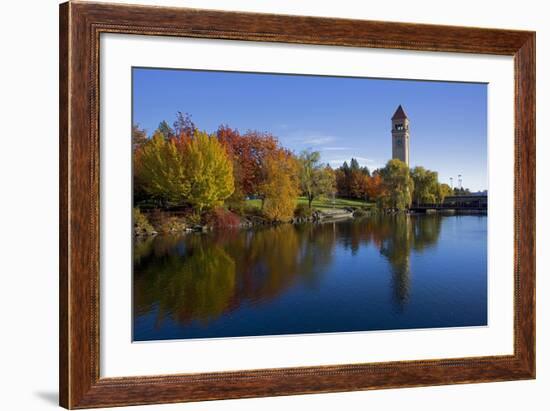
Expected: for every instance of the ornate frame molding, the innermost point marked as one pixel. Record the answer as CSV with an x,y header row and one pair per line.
x,y
81,24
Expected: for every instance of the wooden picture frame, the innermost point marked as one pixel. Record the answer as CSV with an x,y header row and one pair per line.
x,y
80,27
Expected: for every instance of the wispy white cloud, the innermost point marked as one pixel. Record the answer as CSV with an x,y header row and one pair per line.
x,y
318,141
308,138
335,148
332,154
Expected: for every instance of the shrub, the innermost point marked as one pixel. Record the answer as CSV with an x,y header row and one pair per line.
x,y
142,226
172,225
166,221
222,218
193,218
303,211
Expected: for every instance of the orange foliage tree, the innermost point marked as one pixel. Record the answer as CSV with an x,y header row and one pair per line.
x,y
358,184
375,187
280,186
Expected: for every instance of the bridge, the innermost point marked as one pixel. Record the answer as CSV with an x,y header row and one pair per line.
x,y
464,203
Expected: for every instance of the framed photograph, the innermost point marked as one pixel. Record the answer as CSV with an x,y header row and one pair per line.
x,y
258,205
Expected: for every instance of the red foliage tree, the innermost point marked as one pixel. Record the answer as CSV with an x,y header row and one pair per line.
x,y
250,151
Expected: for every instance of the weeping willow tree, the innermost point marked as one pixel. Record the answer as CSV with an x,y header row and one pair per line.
x,y
398,185
426,186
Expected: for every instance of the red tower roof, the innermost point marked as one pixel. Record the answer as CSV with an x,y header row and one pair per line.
x,y
399,114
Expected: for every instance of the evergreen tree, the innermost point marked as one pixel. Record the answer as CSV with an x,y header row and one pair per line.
x,y
166,130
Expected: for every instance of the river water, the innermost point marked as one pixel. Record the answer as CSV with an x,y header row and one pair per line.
x,y
375,273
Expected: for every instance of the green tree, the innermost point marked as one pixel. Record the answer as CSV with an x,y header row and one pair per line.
x,y
315,180
166,130
208,171
398,185
426,186
354,165
444,191
461,191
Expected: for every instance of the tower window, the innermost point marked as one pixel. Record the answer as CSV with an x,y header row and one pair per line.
x,y
399,127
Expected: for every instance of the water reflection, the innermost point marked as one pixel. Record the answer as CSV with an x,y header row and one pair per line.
x,y
199,279
188,280
404,234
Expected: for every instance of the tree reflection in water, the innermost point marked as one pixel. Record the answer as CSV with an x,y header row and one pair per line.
x,y
199,277
406,233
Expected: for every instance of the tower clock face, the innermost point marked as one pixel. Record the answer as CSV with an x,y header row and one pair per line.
x,y
399,142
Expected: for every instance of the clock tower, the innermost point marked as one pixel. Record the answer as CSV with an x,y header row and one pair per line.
x,y
400,135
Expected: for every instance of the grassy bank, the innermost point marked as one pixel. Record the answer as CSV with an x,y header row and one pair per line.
x,y
159,221
323,203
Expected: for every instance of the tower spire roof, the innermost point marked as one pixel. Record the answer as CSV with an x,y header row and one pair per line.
x,y
399,114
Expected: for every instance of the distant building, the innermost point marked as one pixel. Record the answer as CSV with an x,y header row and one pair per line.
x,y
466,201
400,135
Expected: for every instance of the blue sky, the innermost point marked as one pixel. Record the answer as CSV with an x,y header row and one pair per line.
x,y
340,117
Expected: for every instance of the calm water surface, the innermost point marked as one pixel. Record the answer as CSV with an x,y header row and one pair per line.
x,y
376,273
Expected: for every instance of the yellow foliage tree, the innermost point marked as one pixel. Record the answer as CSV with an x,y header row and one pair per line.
x,y
160,168
208,171
280,187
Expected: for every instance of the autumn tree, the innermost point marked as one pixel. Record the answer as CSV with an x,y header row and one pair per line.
x,y
398,185
250,151
375,186
160,169
184,128
139,137
315,179
358,184
280,186
227,137
208,171
352,179
426,186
